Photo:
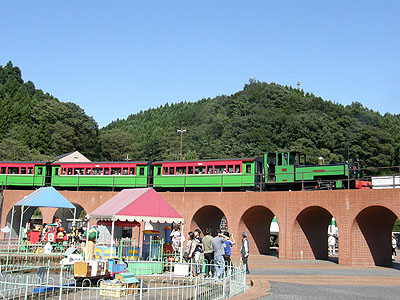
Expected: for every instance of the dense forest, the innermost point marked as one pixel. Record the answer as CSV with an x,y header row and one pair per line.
x,y
260,118
36,126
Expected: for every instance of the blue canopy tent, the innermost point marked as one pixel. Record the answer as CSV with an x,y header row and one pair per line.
x,y
43,197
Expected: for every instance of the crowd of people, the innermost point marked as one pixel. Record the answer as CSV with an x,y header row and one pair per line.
x,y
215,250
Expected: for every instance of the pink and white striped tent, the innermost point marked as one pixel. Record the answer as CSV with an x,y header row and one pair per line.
x,y
136,205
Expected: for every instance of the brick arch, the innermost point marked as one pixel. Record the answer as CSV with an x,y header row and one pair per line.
x,y
65,213
17,219
208,216
371,236
310,233
256,221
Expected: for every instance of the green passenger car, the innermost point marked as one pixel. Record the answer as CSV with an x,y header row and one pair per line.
x,y
217,173
100,174
24,174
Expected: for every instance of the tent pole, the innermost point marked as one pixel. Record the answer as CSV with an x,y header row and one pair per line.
x,y
11,225
9,236
87,240
20,226
73,222
112,238
140,248
181,248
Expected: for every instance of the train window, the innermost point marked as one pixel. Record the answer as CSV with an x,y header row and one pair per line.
x,y
69,171
171,170
57,170
209,169
13,170
285,158
230,169
200,170
280,159
23,170
64,171
3,170
88,171
190,170
165,170
141,171
158,171
30,170
40,171
220,169
237,169
132,171
292,159
97,171
180,170
115,171
125,171
248,168
79,171
106,171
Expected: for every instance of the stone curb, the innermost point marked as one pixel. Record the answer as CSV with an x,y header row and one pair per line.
x,y
259,288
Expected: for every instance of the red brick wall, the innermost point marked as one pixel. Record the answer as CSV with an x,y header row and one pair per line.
x,y
364,218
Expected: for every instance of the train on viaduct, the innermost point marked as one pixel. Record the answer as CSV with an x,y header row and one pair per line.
x,y
364,218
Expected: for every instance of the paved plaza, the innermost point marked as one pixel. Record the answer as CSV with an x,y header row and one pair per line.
x,y
275,279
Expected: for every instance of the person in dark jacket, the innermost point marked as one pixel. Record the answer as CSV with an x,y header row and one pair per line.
x,y
244,250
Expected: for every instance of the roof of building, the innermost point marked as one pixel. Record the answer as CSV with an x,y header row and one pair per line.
x,y
64,155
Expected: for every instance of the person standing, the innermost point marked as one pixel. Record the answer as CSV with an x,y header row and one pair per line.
x,y
394,246
197,251
190,246
228,249
244,251
208,252
219,251
176,237
332,244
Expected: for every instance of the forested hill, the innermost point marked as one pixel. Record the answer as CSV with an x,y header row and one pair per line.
x,y
260,118
36,126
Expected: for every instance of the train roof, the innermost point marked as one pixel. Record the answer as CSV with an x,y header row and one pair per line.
x,y
22,162
207,160
100,162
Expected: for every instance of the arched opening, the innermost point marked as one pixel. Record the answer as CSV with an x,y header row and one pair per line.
x,y
33,213
256,221
37,218
66,216
371,234
209,217
333,238
274,235
310,233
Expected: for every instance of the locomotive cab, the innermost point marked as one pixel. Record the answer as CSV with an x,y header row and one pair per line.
x,y
280,166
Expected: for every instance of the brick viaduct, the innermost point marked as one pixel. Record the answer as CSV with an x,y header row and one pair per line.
x,y
365,219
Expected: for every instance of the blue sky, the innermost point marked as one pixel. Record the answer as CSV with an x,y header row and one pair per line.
x,y
114,58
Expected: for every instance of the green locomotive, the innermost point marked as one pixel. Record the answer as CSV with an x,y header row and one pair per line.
x,y
285,170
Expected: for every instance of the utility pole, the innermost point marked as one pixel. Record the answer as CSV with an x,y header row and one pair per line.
x,y
181,131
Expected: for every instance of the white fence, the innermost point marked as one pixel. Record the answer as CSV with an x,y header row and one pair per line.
x,y
46,283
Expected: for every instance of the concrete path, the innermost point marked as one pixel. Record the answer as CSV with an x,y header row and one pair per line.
x,y
274,279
